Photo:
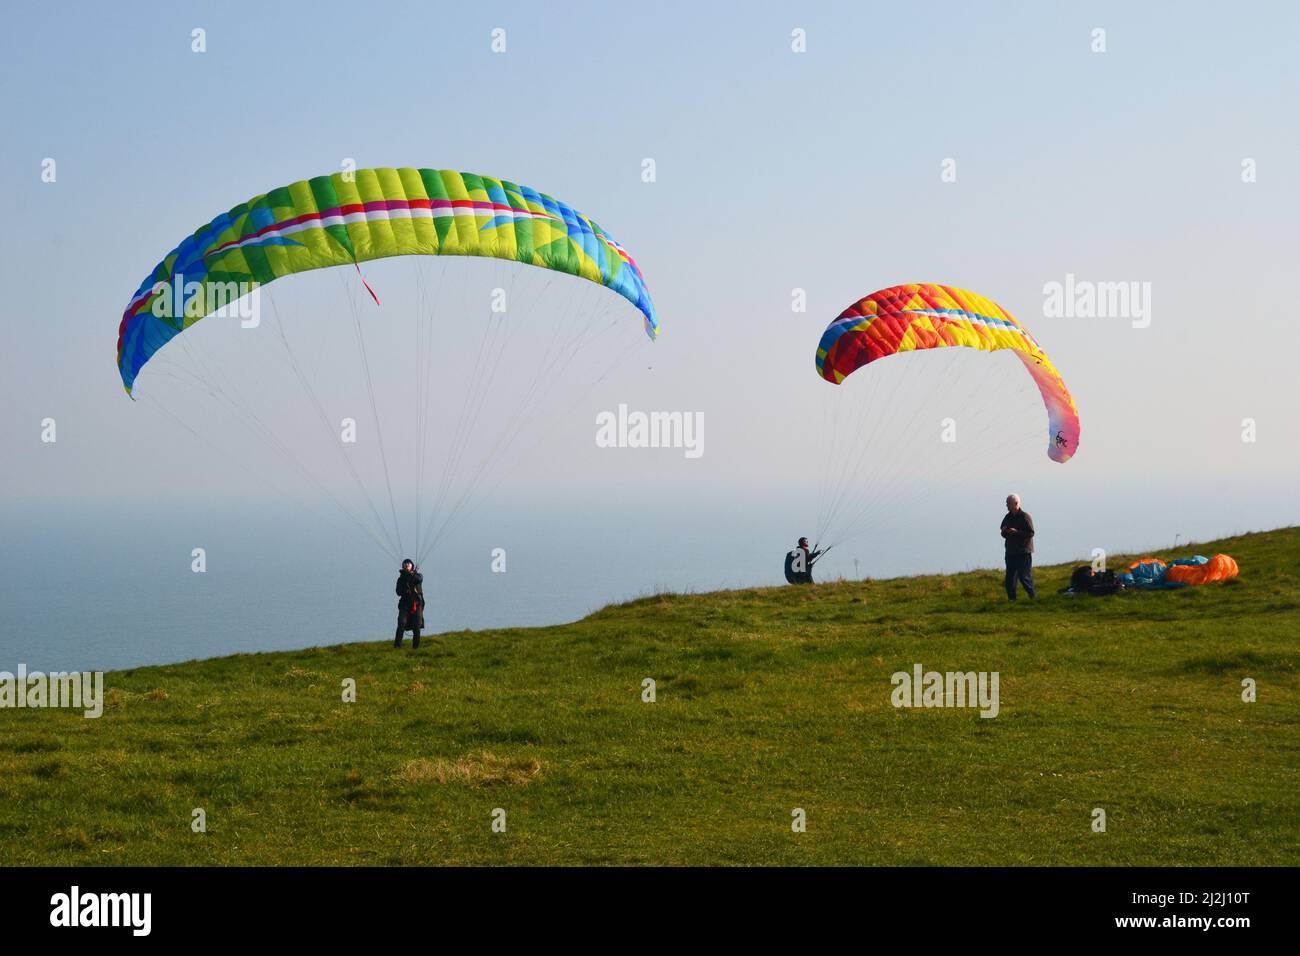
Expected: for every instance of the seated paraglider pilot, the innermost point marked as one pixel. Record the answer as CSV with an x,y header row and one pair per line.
x,y
410,603
799,563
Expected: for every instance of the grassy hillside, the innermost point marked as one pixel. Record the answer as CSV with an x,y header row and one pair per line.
x,y
768,699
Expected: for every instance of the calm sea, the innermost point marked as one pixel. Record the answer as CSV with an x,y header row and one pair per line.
x,y
85,587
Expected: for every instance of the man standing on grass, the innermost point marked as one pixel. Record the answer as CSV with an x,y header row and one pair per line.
x,y
410,603
799,562
1018,533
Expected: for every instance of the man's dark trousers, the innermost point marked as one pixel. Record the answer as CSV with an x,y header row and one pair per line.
x,y
1020,567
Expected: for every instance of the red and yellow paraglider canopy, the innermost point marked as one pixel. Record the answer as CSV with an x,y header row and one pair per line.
x,y
904,318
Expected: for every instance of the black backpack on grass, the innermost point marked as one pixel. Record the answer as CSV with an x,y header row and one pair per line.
x,y
1083,580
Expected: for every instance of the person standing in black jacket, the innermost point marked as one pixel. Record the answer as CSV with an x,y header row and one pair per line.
x,y
410,603
1018,533
799,562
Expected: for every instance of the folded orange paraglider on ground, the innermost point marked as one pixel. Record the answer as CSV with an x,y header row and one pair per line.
x,y
1218,568
1149,573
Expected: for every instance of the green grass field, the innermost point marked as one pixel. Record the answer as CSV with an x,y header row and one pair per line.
x,y
767,700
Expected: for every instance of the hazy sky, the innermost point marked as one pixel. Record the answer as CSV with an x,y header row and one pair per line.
x,y
775,170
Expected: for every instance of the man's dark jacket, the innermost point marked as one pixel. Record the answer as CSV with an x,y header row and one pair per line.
x,y
1022,542
410,599
800,577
